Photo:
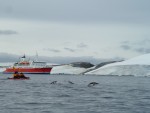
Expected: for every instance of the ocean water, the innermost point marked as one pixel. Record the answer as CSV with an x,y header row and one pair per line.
x,y
71,94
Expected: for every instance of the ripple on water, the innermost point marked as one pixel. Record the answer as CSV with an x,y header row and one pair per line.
x,y
111,95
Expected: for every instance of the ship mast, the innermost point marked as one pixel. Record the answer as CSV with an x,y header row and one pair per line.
x,y
36,57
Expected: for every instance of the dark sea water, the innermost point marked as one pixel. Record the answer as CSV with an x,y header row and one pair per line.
x,y
113,94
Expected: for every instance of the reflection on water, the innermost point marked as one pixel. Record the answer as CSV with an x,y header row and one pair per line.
x,y
71,94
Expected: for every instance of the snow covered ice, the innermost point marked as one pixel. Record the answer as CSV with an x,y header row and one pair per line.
x,y
138,66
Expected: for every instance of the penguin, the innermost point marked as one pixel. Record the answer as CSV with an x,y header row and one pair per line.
x,y
92,84
70,82
54,82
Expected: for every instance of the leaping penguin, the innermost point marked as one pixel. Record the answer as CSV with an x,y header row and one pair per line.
x,y
92,84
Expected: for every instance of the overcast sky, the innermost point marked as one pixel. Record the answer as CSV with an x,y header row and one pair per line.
x,y
97,29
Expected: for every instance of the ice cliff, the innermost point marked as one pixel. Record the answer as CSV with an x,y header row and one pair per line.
x,y
138,66
72,68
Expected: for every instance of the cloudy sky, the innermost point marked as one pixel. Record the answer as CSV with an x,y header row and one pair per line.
x,y
93,29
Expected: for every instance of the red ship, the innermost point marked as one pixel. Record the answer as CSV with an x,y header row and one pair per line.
x,y
30,67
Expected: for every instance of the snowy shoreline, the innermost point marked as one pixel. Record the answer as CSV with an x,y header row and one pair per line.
x,y
138,66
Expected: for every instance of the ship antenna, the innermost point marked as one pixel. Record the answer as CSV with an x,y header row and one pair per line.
x,y
36,56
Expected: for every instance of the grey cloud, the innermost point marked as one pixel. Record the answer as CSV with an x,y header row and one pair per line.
x,y
82,45
66,60
6,57
52,50
78,10
66,43
125,47
143,50
69,49
125,42
7,32
140,46
144,42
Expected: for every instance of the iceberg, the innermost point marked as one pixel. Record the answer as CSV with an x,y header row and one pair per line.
x,y
72,68
138,66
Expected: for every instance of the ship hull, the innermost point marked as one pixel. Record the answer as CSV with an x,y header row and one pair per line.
x,y
29,70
